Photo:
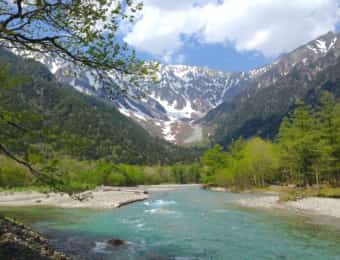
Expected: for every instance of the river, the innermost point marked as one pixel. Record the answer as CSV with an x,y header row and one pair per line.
x,y
185,224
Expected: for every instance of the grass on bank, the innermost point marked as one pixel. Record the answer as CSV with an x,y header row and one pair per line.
x,y
41,189
300,193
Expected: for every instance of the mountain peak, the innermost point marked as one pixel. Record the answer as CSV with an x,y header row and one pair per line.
x,y
184,94
324,43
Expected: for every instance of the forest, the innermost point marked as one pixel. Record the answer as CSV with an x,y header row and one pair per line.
x,y
74,175
305,152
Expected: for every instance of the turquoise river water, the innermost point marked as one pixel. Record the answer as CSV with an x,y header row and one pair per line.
x,y
186,224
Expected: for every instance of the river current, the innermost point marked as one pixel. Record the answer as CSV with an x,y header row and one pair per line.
x,y
188,223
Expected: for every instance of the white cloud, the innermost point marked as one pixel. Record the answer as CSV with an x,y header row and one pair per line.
x,y
268,26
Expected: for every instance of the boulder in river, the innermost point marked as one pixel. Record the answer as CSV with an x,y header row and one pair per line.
x,y
116,242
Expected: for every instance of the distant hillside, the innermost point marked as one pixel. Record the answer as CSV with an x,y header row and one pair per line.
x,y
258,109
105,133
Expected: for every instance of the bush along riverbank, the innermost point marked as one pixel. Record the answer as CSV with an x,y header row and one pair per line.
x,y
19,242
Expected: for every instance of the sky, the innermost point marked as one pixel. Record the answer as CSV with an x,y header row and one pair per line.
x,y
229,35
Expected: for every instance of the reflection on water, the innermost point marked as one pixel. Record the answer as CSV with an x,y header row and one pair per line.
x,y
185,224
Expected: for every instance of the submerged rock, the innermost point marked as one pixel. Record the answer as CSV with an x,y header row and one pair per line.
x,y
117,242
20,242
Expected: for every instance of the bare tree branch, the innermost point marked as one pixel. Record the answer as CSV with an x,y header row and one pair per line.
x,y
40,176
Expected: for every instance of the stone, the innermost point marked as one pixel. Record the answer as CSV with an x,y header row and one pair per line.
x,y
116,242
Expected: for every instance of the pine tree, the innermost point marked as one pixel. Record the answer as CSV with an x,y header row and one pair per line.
x,y
297,137
336,143
326,161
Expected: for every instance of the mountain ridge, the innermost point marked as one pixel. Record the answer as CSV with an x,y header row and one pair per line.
x,y
258,110
180,107
102,131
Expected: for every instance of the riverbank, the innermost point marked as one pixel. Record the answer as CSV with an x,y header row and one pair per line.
x,y
184,224
329,207
18,241
103,197
305,201
288,199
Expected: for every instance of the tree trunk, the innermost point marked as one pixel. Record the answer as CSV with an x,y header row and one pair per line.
x,y
317,178
262,180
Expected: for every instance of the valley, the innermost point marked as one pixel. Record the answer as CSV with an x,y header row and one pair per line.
x,y
168,130
185,105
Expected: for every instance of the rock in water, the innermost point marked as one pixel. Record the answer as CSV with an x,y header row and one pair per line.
x,y
116,242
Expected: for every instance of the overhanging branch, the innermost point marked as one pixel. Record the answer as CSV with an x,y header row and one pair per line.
x,y
40,176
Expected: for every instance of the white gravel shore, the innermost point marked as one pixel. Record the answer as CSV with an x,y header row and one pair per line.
x,y
89,199
312,205
100,198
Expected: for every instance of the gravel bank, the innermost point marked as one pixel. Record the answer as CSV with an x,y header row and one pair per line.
x,y
96,199
312,205
103,197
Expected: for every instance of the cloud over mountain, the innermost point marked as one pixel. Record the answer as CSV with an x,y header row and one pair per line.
x,y
269,27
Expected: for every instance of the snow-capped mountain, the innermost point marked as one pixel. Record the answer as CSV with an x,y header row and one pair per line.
x,y
302,57
272,91
172,107
182,95
167,107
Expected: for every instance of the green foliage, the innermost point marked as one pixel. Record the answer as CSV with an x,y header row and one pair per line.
x,y
76,175
186,173
213,160
13,175
329,192
83,32
251,163
298,140
308,143
261,114
61,120
306,152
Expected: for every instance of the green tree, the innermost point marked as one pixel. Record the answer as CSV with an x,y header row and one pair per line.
x,y
214,158
328,161
336,143
83,32
262,159
298,138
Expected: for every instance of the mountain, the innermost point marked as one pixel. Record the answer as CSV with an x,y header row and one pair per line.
x,y
167,108
104,132
183,95
273,90
188,104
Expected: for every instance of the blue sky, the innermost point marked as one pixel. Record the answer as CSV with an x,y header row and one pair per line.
x,y
217,57
229,35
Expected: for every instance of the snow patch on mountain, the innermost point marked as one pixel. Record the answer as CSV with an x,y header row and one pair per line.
x,y
167,131
322,46
184,94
